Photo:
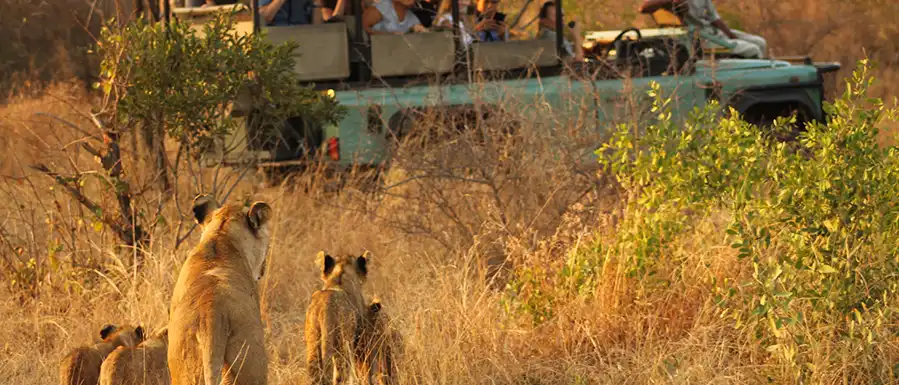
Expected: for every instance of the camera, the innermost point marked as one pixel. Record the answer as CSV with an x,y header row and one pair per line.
x,y
571,24
499,17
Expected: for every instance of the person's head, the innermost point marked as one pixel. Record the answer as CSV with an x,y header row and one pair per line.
x,y
547,14
446,6
488,6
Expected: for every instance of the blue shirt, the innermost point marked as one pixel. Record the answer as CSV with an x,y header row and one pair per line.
x,y
292,12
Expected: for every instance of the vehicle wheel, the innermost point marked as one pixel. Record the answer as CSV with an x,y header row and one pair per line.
x,y
763,115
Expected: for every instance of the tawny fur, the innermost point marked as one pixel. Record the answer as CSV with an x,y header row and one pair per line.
x,y
335,318
215,330
380,348
82,365
144,364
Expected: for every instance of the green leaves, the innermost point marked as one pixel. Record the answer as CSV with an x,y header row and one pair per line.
x,y
816,222
186,81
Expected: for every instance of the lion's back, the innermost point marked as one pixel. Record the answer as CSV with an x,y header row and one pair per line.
x,y
142,365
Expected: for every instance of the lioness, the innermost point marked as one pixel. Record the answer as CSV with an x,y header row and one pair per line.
x,y
215,326
82,365
144,364
335,318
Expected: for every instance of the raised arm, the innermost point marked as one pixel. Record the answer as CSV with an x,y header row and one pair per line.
x,y
338,10
268,9
370,17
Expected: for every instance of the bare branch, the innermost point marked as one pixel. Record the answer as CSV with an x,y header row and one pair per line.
x,y
74,192
520,14
90,149
70,125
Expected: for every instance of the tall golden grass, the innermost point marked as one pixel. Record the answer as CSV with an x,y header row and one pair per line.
x,y
442,246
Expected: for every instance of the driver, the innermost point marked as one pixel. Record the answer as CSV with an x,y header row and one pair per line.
x,y
703,11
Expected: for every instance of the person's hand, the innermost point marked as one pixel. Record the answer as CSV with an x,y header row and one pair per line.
x,y
644,6
486,25
419,28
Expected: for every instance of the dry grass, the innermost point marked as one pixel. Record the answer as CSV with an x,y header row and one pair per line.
x,y
436,244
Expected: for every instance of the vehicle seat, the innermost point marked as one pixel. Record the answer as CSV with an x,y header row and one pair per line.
x,y
412,54
323,52
513,54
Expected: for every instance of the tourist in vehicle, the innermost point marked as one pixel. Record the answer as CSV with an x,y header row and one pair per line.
x,y
335,10
391,17
426,11
491,23
547,25
704,12
207,3
288,12
445,18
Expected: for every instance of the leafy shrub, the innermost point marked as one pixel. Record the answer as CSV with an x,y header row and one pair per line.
x,y
187,81
815,224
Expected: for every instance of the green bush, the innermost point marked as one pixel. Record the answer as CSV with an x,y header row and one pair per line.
x,y
186,82
815,222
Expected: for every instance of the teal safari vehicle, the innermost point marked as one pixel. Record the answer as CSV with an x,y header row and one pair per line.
x,y
385,81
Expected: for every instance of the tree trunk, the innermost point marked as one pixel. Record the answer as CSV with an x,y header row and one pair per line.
x,y
154,141
133,233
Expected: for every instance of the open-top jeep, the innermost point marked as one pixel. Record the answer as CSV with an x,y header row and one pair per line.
x,y
385,80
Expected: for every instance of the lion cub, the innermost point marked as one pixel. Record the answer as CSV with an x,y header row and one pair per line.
x,y
335,318
82,365
144,364
380,347
215,326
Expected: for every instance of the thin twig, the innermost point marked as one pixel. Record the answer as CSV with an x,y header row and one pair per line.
x,y
70,125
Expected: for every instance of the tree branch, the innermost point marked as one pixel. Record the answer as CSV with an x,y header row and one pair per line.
x,y
66,183
520,14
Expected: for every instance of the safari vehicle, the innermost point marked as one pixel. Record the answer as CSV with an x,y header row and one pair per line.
x,y
384,80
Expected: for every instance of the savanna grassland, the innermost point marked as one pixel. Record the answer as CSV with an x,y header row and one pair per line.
x,y
714,257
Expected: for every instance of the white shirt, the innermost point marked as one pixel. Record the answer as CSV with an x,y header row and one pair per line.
x,y
703,11
467,39
390,21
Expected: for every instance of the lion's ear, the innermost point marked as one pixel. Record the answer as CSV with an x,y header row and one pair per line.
x,y
106,330
139,333
204,205
260,213
362,264
325,262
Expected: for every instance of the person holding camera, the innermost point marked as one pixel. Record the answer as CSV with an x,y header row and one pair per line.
x,y
490,22
444,18
547,25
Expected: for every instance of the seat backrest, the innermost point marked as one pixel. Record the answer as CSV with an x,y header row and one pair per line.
x,y
412,54
666,18
323,52
198,16
514,54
